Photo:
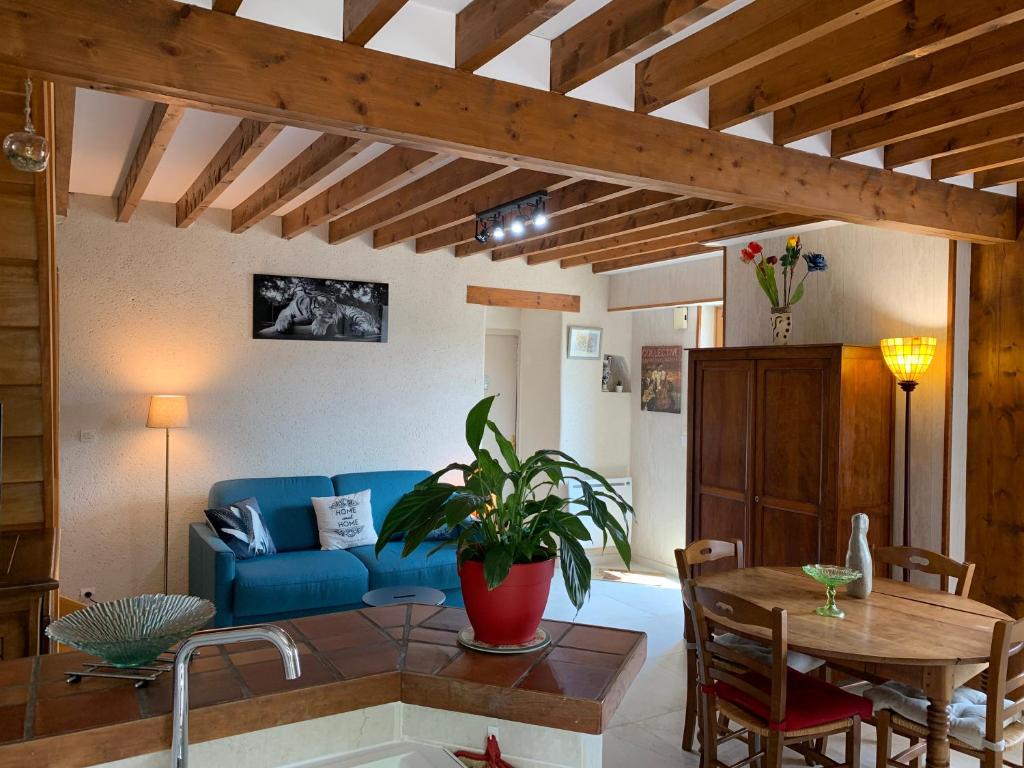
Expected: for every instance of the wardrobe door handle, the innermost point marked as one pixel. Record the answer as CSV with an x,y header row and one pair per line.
x,y
757,499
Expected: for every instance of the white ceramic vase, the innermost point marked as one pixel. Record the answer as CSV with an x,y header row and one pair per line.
x,y
782,324
858,556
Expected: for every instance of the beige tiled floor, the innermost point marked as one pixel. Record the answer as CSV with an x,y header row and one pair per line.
x,y
647,730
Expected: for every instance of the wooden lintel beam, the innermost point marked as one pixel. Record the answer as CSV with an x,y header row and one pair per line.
x,y
1004,174
243,146
227,6
742,41
977,133
362,19
963,65
394,169
163,49
319,160
559,220
632,243
975,160
994,97
448,215
578,195
63,133
505,297
485,28
163,121
703,237
895,34
632,225
616,32
654,257
456,177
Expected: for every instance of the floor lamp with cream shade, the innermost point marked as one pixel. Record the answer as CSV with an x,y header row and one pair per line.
x,y
167,412
908,357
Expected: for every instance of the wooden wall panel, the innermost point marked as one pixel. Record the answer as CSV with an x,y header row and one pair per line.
x,y
17,222
23,411
22,506
23,460
995,426
19,356
19,296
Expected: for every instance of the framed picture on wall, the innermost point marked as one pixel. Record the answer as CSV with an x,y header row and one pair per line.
x,y
318,309
584,343
661,379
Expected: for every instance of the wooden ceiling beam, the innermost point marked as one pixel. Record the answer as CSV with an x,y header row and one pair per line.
x,y
63,135
447,216
560,220
227,6
616,32
573,197
506,297
165,50
1004,174
994,97
975,160
163,121
653,237
633,222
461,175
394,169
701,237
485,28
243,146
960,66
960,138
362,19
655,257
889,37
742,41
311,166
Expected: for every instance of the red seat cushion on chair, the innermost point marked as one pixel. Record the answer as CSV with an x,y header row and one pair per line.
x,y
810,702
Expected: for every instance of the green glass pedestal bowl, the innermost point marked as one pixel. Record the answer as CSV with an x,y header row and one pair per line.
x,y
133,631
831,576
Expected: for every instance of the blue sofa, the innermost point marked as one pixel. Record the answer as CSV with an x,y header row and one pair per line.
x,y
301,579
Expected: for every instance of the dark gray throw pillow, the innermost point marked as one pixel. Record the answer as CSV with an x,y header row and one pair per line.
x,y
240,526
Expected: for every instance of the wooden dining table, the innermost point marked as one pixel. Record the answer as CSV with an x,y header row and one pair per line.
x,y
932,640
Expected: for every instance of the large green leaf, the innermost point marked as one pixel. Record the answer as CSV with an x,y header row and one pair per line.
x,y
508,451
421,507
797,294
575,570
497,564
476,422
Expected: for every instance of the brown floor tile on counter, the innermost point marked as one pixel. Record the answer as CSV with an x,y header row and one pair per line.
x,y
387,615
590,658
204,689
364,661
574,680
601,639
16,672
490,669
13,694
87,710
438,636
421,657
452,619
268,676
12,723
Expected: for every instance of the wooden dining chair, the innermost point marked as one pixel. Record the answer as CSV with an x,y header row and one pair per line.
x,y
1004,703
925,561
779,706
687,561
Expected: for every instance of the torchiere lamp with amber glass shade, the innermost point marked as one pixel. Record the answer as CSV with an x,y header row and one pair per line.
x,y
908,357
167,412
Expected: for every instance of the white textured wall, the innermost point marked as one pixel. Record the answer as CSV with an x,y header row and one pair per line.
x,y
880,283
689,281
657,448
148,308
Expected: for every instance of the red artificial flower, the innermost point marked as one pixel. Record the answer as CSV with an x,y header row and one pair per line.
x,y
773,260
755,247
746,255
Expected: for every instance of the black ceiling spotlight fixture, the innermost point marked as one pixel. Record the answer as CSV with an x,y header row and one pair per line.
x,y
513,218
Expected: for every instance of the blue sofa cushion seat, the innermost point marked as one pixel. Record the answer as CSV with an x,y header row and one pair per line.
x,y
417,570
285,503
298,581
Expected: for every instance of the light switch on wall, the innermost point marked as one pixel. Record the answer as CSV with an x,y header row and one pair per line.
x,y
87,436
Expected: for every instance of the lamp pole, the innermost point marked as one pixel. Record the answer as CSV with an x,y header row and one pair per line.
x,y
167,500
907,387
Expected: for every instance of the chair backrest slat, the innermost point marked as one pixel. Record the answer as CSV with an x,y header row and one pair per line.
x,y
926,561
1007,637
705,551
710,608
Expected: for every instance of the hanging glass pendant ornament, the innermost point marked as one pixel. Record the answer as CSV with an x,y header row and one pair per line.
x,y
27,150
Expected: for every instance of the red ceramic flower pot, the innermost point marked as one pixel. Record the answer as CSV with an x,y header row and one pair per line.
x,y
510,613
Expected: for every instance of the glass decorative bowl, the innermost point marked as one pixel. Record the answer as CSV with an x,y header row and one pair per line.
x,y
133,631
831,576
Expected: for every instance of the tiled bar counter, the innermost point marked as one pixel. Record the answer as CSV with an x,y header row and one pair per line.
x,y
368,677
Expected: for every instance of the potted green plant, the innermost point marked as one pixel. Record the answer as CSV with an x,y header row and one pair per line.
x,y
510,525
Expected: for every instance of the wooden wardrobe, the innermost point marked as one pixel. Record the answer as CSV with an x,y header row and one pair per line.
x,y
785,444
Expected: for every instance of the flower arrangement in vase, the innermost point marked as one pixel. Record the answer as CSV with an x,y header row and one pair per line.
x,y
790,292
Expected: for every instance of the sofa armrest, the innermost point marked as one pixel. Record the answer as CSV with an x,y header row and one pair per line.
x,y
211,571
